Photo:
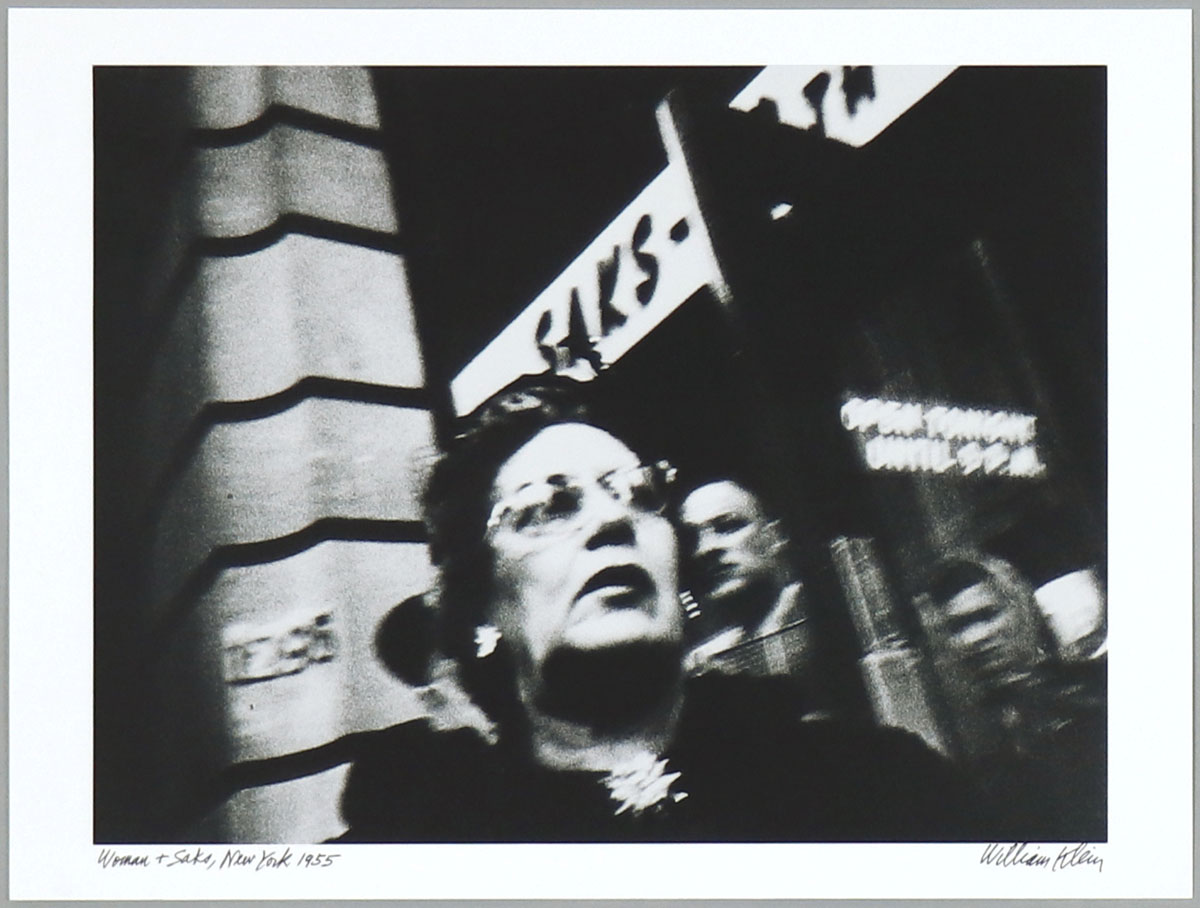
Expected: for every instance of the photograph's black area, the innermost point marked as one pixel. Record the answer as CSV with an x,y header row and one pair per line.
x,y
903,379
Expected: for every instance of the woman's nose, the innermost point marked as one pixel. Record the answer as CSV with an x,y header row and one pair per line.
x,y
612,532
609,522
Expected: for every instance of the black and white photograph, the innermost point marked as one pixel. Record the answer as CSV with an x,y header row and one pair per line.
x,y
533,454
595,454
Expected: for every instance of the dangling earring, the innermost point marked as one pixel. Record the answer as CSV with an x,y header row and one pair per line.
x,y
691,608
486,638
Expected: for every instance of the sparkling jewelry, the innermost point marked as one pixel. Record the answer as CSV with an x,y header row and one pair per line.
x,y
642,783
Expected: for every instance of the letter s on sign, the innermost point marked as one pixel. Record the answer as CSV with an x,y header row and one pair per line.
x,y
645,261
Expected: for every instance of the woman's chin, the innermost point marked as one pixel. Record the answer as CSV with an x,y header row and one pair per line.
x,y
618,628
611,684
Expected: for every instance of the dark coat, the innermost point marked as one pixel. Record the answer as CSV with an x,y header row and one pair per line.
x,y
751,769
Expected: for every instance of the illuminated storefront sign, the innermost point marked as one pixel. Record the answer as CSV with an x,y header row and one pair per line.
x,y
650,258
852,104
910,437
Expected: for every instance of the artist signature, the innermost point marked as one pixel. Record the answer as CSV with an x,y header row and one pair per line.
x,y
1022,854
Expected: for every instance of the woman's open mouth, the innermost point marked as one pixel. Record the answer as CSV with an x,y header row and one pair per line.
x,y
621,585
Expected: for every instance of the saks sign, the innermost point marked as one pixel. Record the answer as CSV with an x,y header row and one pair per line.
x,y
650,258
852,104
910,437
657,252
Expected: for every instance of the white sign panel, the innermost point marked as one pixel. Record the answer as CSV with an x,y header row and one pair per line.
x,y
852,104
650,258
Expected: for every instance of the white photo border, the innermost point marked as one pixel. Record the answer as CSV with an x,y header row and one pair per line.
x,y
1148,58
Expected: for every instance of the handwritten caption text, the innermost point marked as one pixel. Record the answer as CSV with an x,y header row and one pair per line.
x,y
226,859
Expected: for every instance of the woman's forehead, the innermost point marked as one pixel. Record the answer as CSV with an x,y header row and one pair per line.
x,y
569,449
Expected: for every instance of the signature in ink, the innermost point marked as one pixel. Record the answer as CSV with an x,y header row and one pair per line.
x,y
1022,854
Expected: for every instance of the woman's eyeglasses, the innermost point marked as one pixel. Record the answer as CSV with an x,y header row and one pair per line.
x,y
556,505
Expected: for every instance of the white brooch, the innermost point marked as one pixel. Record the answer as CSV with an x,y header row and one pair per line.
x,y
642,782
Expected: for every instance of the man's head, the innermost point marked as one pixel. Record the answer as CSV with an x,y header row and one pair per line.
x,y
736,548
989,621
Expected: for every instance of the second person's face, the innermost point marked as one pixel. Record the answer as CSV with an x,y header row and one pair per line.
x,y
734,546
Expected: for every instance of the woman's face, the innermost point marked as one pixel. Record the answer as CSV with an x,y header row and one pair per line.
x,y
582,556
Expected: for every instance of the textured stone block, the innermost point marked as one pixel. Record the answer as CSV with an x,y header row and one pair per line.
x,y
267,478
355,584
300,810
252,326
211,717
228,96
245,188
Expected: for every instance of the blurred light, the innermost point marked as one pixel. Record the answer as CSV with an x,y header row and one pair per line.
x,y
1074,608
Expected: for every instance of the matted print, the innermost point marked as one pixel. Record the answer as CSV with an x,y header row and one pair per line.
x,y
577,461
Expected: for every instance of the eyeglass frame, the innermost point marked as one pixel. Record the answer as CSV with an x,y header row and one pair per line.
x,y
662,469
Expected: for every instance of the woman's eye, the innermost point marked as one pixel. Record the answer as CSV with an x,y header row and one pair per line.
x,y
524,517
562,503
645,496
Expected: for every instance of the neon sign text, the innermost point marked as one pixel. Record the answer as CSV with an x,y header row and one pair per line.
x,y
910,437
